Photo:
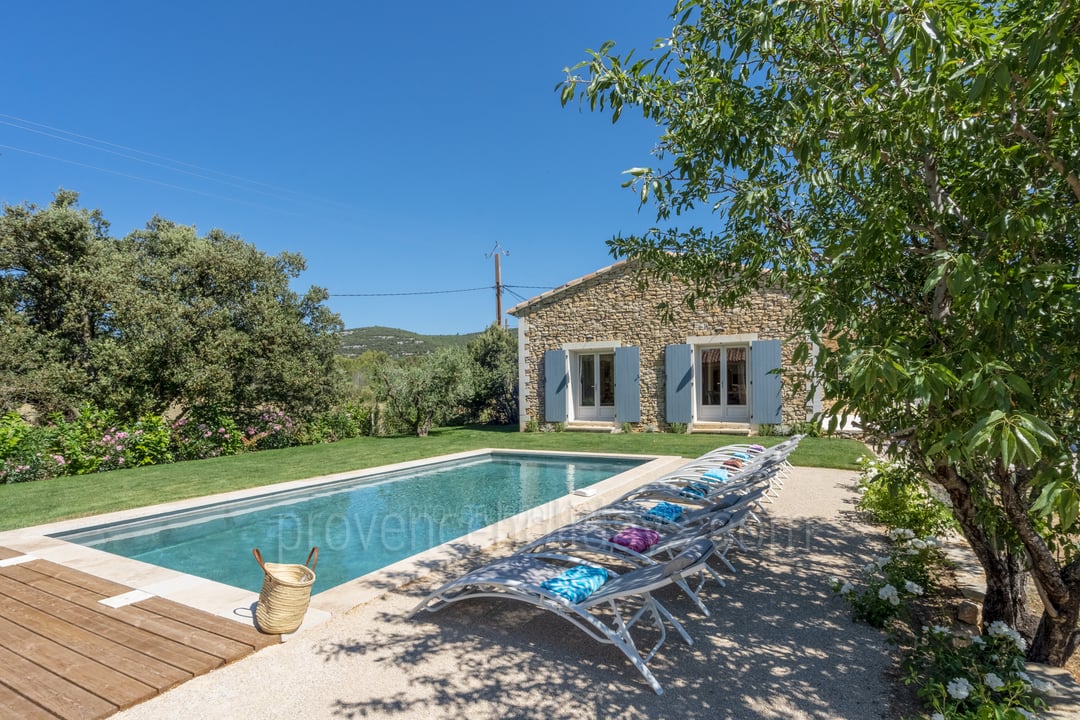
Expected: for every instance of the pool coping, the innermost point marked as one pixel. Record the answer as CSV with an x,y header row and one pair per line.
x,y
238,604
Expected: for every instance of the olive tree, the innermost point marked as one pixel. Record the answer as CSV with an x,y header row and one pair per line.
x,y
420,393
908,171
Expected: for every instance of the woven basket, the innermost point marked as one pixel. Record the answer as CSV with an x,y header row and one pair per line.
x,y
285,594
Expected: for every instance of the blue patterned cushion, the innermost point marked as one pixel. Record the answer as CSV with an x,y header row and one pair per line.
x,y
694,489
665,512
577,583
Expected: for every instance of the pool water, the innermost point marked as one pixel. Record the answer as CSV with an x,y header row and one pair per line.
x,y
360,525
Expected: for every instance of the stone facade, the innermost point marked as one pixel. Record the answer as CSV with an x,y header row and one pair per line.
x,y
610,306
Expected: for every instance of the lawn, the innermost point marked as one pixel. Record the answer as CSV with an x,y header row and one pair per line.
x,y
34,503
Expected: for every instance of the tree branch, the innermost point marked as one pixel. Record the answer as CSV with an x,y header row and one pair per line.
x,y
1055,162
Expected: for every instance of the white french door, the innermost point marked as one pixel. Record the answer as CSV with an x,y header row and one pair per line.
x,y
723,383
593,378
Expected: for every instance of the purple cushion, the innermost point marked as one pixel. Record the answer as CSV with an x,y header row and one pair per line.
x,y
635,538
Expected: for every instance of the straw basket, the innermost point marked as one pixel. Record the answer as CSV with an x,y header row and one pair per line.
x,y
286,591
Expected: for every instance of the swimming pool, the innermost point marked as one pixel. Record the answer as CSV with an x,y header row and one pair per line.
x,y
360,524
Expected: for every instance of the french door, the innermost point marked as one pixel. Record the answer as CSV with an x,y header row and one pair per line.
x,y
722,382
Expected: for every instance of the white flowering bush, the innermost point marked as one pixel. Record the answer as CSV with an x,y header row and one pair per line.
x,y
894,495
887,583
972,678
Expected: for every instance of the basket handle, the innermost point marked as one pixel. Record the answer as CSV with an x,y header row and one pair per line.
x,y
312,558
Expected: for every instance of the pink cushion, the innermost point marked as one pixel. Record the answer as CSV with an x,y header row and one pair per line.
x,y
636,539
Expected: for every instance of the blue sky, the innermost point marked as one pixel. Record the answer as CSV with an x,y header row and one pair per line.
x,y
391,144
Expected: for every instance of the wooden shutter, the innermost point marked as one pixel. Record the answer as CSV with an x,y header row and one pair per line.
x,y
627,384
679,383
556,385
766,403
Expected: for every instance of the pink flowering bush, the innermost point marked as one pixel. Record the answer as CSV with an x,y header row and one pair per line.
x,y
205,435
269,430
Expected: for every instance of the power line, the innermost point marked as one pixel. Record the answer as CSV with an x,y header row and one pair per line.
x,y
144,179
247,181
443,292
419,292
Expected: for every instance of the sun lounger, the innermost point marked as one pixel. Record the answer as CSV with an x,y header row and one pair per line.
x,y
625,538
535,578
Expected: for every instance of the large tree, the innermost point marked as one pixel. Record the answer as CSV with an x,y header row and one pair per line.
x,y
908,170
161,319
53,286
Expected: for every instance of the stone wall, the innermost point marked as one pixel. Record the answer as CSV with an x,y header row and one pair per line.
x,y
609,306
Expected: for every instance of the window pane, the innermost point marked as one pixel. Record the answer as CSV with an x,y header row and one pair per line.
x,y
736,376
588,379
607,379
711,386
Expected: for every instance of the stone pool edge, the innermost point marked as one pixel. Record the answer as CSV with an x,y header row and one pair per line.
x,y
238,604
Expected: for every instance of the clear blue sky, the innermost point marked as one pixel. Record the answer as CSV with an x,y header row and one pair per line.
x,y
391,144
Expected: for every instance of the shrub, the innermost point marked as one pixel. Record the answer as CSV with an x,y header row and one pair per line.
x,y
972,678
886,584
896,496
677,428
269,430
207,434
532,425
809,429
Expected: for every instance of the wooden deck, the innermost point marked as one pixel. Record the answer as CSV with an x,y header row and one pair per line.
x,y
63,654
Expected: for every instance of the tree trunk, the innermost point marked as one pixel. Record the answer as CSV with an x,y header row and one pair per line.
x,y
424,428
1057,638
1005,599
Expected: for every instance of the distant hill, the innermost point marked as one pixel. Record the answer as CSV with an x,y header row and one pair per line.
x,y
395,342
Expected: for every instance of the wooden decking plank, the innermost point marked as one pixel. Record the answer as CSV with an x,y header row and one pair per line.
x,y
51,691
104,588
220,647
104,619
221,626
15,705
88,673
6,553
19,607
87,594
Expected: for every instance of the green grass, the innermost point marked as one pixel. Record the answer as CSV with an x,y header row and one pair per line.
x,y
27,504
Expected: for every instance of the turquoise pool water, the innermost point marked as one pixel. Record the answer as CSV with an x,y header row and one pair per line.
x,y
360,525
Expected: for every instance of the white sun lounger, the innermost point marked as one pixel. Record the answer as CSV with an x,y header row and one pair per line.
x,y
519,577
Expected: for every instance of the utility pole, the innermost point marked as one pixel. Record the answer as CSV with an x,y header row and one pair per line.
x,y
497,252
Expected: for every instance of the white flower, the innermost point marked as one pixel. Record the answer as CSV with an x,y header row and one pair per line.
x,y
941,630
917,544
937,716
882,561
847,588
977,640
913,588
1000,629
1023,676
993,681
959,688
1041,686
901,534
888,592
871,568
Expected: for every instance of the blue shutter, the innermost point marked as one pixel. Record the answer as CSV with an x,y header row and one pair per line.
x,y
766,403
679,383
556,385
628,384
